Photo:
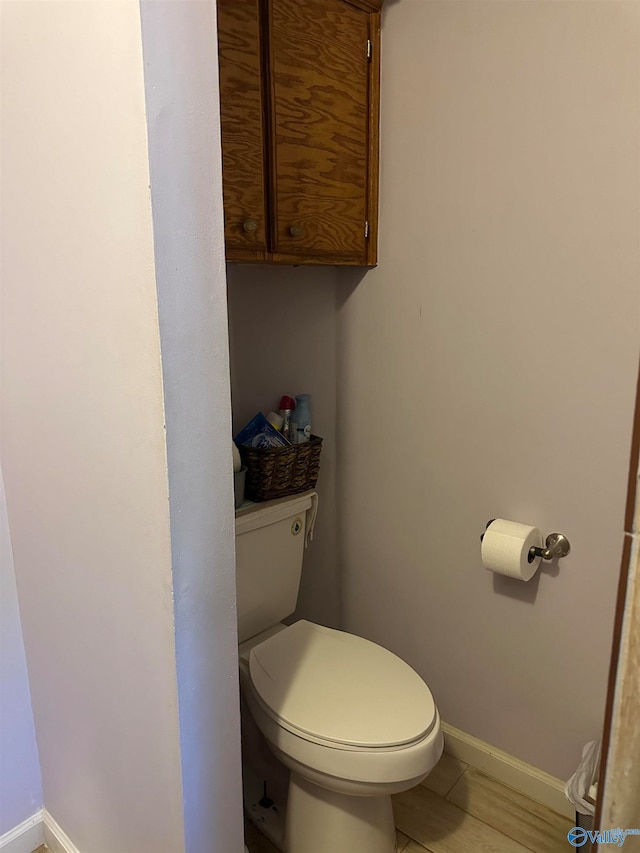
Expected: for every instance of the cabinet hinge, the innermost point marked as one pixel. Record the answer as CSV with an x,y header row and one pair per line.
x,y
369,49
366,229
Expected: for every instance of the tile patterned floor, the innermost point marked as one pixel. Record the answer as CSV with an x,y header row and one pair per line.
x,y
459,810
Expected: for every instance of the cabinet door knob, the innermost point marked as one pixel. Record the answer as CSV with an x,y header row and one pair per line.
x,y
250,225
296,230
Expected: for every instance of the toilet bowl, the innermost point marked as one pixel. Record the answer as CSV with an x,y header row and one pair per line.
x,y
328,704
351,721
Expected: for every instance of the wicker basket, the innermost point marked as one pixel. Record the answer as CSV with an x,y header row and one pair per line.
x,y
274,472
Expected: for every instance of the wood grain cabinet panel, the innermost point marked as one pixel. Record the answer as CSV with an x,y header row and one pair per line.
x,y
242,128
299,92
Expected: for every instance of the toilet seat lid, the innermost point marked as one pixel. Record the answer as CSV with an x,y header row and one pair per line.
x,y
340,688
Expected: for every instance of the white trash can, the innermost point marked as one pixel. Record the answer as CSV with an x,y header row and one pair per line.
x,y
582,789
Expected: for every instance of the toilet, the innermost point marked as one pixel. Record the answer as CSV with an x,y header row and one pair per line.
x,y
351,721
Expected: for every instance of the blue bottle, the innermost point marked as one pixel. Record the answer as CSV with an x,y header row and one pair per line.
x,y
303,418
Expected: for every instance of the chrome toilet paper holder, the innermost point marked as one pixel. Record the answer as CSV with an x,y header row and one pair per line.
x,y
557,546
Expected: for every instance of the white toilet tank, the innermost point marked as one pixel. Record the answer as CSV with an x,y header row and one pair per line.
x,y
270,543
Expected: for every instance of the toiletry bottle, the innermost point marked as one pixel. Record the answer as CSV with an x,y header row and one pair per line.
x,y
303,418
275,420
287,405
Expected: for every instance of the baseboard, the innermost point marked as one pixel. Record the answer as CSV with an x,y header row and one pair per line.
x,y
516,774
55,838
25,837
528,780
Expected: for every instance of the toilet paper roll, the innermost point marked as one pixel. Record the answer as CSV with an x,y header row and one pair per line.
x,y
505,549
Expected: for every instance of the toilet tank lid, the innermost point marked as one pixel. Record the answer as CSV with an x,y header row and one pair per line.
x,y
341,688
253,516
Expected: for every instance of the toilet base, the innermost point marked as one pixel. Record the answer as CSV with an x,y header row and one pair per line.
x,y
323,821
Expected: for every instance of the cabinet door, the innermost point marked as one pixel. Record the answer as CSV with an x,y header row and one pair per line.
x,y
242,127
319,89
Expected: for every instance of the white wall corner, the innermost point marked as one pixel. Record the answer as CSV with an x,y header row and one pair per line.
x,y
183,126
24,837
55,837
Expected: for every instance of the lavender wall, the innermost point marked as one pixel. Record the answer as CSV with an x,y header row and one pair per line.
x,y
283,340
487,366
20,780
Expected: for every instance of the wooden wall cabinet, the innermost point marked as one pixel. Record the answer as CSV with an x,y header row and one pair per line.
x,y
299,105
